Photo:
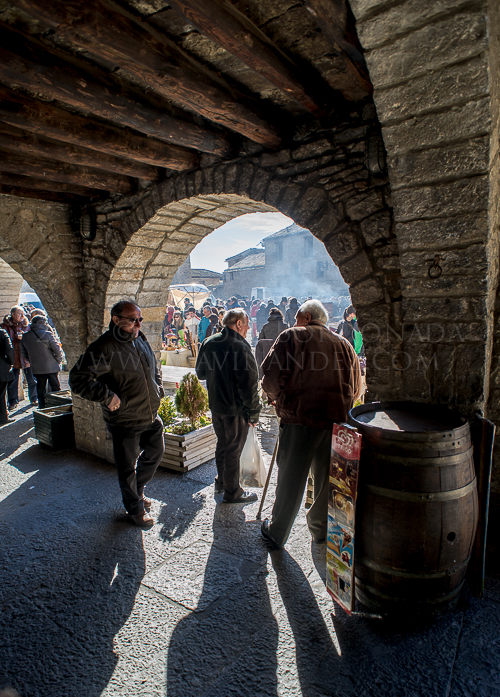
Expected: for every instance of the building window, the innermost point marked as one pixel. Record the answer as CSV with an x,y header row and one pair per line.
x,y
279,251
321,267
308,245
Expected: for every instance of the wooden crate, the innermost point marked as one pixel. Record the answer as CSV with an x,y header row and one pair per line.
x,y
54,426
184,453
58,399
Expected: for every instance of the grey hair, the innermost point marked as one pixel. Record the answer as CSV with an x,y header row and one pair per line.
x,y
316,309
232,316
118,307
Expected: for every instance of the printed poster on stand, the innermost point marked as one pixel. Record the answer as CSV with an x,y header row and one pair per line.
x,y
342,493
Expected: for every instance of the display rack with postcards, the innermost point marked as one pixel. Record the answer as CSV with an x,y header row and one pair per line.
x,y
342,492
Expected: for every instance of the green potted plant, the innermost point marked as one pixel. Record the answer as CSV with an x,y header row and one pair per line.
x,y
189,435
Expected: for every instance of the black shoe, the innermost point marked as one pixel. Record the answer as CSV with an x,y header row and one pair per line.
x,y
218,487
244,498
9,421
270,541
13,405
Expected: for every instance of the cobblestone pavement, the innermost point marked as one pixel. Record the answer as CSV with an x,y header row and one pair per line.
x,y
91,605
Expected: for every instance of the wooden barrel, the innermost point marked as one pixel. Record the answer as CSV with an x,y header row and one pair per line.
x,y
416,512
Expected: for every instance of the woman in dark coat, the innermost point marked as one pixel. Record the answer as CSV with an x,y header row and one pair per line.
x,y
40,348
6,376
274,325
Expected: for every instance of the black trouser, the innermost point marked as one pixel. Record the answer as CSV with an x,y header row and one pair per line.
x,y
137,451
3,404
301,448
41,386
231,434
13,389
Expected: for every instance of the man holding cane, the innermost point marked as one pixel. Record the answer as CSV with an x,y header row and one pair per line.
x,y
226,362
313,377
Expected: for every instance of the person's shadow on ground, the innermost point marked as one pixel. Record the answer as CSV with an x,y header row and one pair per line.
x,y
228,644
69,575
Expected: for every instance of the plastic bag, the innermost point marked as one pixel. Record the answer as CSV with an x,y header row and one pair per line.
x,y
252,470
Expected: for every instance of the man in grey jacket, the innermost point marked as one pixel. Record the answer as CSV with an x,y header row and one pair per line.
x,y
40,348
119,370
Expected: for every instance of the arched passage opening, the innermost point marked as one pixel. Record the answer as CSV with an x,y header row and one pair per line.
x,y
153,253
38,243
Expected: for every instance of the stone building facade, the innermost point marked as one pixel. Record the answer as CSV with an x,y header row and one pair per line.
x,y
211,279
292,263
418,245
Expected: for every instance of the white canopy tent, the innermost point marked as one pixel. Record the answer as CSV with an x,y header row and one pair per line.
x,y
196,292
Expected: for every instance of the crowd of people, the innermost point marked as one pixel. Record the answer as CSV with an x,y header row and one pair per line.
x,y
29,346
183,326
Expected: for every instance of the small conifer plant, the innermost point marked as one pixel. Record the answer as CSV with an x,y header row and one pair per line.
x,y
191,399
166,411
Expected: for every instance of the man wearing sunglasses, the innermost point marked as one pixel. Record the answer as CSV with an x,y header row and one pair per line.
x,y
119,370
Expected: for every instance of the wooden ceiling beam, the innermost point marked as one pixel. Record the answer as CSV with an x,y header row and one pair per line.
x,y
49,170
53,122
16,140
63,83
16,185
336,21
228,27
112,37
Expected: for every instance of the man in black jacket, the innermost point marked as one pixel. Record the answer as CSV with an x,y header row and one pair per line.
x,y
226,362
119,370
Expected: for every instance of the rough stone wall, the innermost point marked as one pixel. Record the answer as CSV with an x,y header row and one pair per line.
x,y
320,181
10,287
91,434
37,241
428,61
493,410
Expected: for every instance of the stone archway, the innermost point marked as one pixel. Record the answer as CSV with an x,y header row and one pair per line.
x,y
36,240
165,224
153,254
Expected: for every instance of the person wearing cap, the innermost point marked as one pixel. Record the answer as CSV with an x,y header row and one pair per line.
x,y
40,348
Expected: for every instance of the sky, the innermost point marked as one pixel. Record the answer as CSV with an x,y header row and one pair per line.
x,y
235,236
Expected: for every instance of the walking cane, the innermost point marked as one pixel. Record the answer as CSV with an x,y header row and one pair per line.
x,y
258,517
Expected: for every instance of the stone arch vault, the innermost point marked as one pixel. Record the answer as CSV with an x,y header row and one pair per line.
x,y
165,223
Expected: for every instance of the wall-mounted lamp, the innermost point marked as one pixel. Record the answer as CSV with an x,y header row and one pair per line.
x,y
88,224
376,156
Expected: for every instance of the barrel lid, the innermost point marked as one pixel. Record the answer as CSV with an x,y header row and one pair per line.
x,y
405,418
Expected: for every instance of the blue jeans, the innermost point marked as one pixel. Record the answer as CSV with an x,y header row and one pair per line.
x,y
13,389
